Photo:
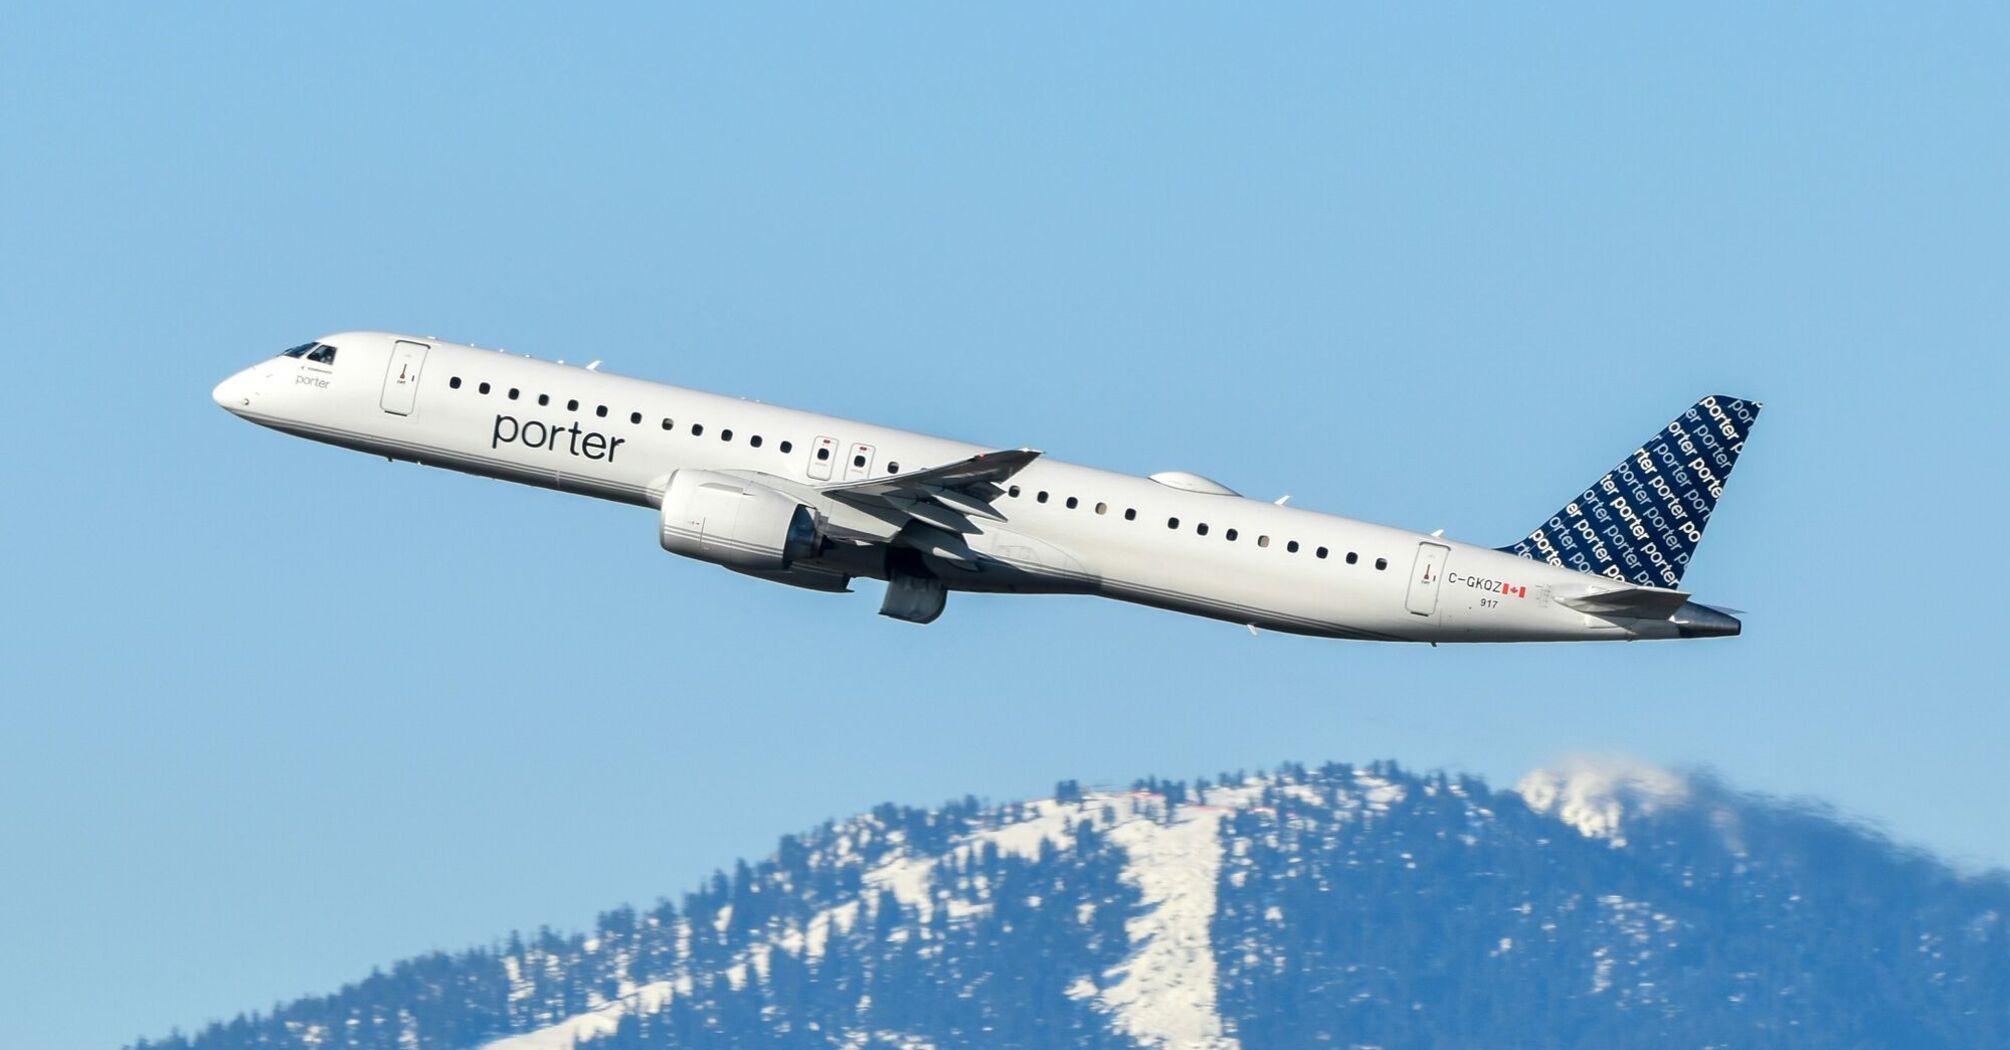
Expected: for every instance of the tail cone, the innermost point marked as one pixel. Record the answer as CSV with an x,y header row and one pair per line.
x,y
1695,620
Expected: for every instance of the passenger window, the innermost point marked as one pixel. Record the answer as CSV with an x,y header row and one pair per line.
x,y
1321,552
1292,547
1072,502
454,383
513,392
1352,557
1381,563
634,418
484,388
322,354
1131,514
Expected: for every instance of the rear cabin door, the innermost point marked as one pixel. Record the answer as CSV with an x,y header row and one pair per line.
x,y
823,455
858,462
401,379
1424,579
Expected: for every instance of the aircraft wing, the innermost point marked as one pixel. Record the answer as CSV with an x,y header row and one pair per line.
x,y
962,489
1641,603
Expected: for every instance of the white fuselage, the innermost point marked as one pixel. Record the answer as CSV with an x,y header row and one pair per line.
x,y
1064,528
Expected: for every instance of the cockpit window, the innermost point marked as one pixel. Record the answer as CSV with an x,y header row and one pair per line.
x,y
322,354
300,351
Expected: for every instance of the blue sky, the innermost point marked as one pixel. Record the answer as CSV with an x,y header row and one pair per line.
x,y
275,713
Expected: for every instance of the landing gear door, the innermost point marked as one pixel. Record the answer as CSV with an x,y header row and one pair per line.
x,y
401,379
1425,577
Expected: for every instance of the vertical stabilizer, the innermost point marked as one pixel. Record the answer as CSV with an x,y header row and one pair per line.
x,y
1641,522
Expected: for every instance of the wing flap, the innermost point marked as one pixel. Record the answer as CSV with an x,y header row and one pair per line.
x,y
948,519
966,504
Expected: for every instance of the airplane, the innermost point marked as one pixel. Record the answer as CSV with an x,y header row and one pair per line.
x,y
815,501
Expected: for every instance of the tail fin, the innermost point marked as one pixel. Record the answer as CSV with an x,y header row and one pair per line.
x,y
1642,520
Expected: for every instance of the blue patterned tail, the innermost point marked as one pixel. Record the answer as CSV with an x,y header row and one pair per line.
x,y
1642,521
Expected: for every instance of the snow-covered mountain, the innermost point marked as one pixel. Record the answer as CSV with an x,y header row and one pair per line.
x,y
1598,903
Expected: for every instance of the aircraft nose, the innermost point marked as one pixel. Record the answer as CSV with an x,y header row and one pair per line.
x,y
234,393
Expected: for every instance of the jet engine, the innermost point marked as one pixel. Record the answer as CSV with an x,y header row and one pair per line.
x,y
740,524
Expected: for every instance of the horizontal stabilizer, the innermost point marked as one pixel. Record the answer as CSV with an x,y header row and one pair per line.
x,y
1639,603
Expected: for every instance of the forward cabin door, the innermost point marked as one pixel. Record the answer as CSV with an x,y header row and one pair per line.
x,y
1425,577
401,379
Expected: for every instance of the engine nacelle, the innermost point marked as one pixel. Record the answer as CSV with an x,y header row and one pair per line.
x,y
736,523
